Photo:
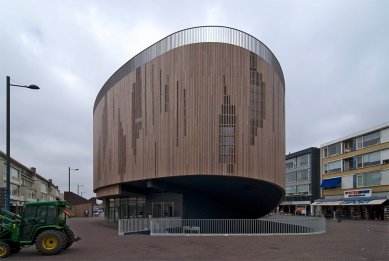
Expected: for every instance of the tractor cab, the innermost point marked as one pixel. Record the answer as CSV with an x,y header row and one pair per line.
x,y
42,224
40,215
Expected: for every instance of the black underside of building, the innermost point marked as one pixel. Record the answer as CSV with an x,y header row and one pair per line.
x,y
208,196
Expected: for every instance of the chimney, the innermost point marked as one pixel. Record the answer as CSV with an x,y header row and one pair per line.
x,y
33,170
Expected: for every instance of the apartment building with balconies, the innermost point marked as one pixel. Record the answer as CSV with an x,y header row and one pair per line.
x,y
355,174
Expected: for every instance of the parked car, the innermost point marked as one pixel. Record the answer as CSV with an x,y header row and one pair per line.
x,y
97,212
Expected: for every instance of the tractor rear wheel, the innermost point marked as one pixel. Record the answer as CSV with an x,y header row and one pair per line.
x,y
51,242
70,238
4,249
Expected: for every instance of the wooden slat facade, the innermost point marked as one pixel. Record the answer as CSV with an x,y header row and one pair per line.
x,y
205,108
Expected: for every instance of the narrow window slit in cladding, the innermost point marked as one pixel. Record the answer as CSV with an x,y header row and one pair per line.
x,y
152,91
177,116
167,95
185,112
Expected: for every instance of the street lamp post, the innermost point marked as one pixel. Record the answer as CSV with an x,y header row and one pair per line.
x,y
78,188
69,176
8,124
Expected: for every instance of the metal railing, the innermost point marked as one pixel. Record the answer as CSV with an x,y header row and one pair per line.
x,y
139,225
274,225
133,225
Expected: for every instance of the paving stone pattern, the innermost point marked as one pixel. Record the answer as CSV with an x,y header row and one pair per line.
x,y
347,240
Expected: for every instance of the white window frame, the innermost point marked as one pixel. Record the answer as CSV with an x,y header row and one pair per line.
x,y
17,189
44,188
294,160
367,173
325,152
309,175
308,161
359,142
325,164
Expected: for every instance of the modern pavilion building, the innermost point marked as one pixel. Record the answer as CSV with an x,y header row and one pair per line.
x,y
193,126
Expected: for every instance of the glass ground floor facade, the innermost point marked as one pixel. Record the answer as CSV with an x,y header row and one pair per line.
x,y
193,197
137,206
124,207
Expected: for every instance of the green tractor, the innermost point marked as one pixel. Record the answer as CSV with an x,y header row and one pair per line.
x,y
42,224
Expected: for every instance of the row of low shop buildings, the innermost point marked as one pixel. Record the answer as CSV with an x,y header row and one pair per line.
x,y
26,185
350,174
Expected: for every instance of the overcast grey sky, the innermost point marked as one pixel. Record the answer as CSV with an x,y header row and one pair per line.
x,y
334,55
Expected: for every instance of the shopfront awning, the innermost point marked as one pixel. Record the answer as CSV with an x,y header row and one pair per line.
x,y
327,203
377,201
352,202
358,202
330,183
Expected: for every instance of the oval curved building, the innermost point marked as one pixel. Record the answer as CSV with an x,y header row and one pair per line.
x,y
193,126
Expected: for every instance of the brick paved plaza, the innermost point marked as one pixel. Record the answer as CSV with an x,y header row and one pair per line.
x,y
348,240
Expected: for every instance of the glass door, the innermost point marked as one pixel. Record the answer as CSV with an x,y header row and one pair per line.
x,y
163,209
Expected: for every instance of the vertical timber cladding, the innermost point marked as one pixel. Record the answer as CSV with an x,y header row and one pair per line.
x,y
211,109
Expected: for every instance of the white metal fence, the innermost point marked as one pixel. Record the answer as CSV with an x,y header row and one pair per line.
x,y
274,225
133,225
